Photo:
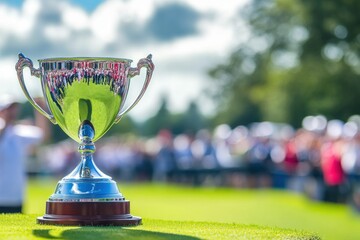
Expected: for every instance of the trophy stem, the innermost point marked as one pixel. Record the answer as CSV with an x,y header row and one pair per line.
x,y
86,168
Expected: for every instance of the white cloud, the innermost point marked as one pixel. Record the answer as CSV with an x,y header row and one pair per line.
x,y
105,20
225,9
75,18
6,65
57,33
18,22
9,82
109,16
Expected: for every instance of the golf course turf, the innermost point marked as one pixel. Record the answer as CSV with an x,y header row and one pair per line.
x,y
151,229
178,212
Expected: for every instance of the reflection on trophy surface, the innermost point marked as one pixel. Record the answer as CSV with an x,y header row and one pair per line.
x,y
85,97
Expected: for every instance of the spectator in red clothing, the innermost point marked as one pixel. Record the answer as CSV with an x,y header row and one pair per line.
x,y
334,176
290,159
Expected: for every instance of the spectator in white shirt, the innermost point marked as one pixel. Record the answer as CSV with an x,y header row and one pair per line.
x,y
15,141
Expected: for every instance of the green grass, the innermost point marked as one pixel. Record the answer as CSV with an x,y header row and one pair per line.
x,y
176,212
151,229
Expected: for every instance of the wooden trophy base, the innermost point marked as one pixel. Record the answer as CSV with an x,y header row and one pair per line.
x,y
89,213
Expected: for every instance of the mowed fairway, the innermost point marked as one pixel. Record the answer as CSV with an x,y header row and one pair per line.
x,y
178,212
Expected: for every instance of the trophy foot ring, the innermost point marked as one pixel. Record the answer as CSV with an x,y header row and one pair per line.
x,y
89,213
73,221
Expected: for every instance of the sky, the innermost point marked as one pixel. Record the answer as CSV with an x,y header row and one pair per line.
x,y
186,39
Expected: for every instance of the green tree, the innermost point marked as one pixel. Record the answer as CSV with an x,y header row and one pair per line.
x,y
125,126
161,120
190,121
302,58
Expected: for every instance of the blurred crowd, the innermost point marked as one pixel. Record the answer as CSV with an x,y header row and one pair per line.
x,y
321,159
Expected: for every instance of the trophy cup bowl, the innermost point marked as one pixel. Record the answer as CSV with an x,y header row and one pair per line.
x,y
85,97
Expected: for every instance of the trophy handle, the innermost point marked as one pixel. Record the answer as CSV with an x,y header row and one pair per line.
x,y
26,62
144,62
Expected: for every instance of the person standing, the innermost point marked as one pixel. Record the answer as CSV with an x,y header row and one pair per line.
x,y
334,176
15,141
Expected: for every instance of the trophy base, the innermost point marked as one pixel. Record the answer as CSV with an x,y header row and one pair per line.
x,y
95,213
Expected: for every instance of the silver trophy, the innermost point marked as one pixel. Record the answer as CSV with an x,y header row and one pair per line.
x,y
85,97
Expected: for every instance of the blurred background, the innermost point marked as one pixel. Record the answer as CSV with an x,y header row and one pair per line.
x,y
247,94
